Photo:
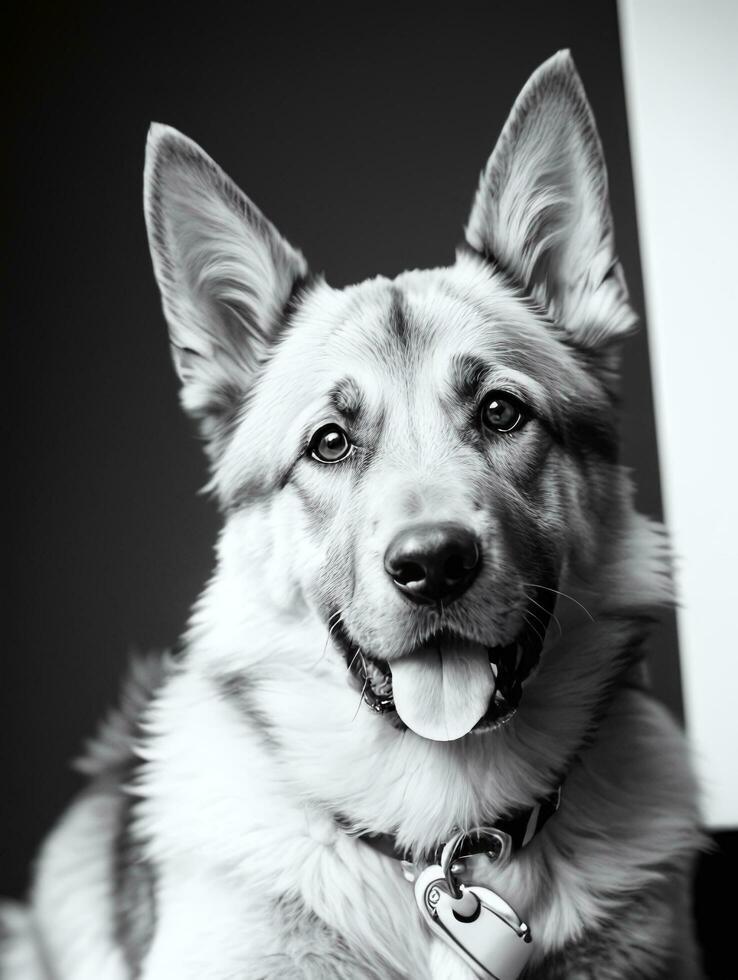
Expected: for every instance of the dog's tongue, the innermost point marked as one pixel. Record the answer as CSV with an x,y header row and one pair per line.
x,y
442,690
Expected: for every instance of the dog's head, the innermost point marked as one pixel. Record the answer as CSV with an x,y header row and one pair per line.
x,y
428,455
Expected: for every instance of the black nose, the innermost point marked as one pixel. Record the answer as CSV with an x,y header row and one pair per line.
x,y
432,563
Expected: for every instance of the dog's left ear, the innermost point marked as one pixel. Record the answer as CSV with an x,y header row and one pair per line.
x,y
225,274
542,211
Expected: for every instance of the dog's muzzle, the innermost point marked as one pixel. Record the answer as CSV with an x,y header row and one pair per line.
x,y
509,665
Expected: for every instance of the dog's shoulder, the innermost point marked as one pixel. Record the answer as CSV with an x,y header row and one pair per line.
x,y
651,934
619,855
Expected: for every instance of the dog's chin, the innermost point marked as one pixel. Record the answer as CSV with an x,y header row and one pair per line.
x,y
446,688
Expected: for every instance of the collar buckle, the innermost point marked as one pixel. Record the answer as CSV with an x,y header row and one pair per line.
x,y
498,847
501,846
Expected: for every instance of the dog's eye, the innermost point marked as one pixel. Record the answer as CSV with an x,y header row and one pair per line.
x,y
501,412
329,444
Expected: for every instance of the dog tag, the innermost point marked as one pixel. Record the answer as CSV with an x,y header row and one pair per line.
x,y
483,929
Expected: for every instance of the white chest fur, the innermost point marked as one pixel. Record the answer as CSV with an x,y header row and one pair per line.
x,y
252,872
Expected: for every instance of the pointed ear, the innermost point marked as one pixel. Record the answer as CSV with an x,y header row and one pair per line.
x,y
225,275
542,211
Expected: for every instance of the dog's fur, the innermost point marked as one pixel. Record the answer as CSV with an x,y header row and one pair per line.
x,y
208,844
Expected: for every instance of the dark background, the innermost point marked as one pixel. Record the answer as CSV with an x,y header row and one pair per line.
x,y
361,135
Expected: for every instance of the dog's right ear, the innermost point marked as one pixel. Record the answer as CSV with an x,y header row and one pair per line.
x,y
225,274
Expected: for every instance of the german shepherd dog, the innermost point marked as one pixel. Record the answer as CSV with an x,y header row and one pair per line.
x,y
420,655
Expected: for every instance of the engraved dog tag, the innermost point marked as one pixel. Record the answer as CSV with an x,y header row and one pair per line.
x,y
483,929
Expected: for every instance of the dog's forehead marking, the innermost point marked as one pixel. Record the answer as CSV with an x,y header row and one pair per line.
x,y
412,327
407,354
460,343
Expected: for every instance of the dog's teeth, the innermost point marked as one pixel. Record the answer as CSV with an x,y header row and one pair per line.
x,y
380,683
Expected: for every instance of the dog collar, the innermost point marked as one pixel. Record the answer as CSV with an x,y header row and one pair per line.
x,y
498,843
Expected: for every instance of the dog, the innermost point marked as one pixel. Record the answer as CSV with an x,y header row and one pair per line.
x,y
414,685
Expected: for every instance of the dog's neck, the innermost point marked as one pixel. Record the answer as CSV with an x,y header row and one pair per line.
x,y
291,687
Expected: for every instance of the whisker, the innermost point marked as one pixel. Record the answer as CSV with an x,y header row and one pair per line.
x,y
335,626
553,615
530,625
366,681
353,659
564,595
537,619
338,616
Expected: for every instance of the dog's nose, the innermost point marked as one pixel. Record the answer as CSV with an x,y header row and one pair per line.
x,y
432,563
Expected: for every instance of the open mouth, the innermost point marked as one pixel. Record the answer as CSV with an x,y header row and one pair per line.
x,y
447,687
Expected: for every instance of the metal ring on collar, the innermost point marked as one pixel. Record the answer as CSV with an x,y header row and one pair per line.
x,y
448,856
